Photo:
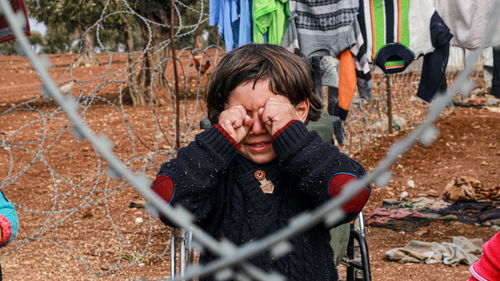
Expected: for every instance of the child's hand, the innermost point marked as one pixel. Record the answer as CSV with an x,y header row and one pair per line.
x,y
236,122
276,113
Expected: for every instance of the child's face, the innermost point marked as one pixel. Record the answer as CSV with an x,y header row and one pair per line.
x,y
257,145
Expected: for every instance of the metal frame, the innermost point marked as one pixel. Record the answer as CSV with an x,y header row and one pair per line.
x,y
180,239
356,258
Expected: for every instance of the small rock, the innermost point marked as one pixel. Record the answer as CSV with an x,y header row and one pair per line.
x,y
138,220
403,195
411,184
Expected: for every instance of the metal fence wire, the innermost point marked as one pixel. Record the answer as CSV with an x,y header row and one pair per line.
x,y
43,137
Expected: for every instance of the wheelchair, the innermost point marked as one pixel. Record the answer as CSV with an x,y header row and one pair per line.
x,y
355,257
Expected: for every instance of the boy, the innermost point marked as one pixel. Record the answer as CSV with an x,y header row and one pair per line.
x,y
259,166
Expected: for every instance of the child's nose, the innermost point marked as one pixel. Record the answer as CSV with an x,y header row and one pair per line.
x,y
258,126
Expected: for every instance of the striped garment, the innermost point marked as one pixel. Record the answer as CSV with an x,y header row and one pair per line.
x,y
328,28
324,27
397,31
400,31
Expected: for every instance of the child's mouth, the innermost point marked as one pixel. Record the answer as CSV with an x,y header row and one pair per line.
x,y
259,147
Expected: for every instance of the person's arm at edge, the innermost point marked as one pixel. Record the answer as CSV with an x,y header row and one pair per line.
x,y
8,221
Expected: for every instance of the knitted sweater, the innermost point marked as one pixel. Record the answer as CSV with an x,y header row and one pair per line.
x,y
220,188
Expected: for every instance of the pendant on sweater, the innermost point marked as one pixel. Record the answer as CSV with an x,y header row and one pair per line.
x,y
266,185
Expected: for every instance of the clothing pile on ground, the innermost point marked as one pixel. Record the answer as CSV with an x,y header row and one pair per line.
x,y
460,250
470,189
464,199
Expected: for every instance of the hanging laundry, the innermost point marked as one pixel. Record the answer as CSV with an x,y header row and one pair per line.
x,y
347,84
326,30
468,21
495,82
6,32
322,27
398,32
270,18
233,21
315,63
330,78
329,73
340,98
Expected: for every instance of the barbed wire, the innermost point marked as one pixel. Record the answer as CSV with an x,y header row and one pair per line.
x,y
140,140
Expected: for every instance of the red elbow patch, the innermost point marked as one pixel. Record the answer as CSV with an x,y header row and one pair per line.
x,y
164,187
356,203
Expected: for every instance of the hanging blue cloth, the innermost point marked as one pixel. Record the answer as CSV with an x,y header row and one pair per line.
x,y
233,21
245,30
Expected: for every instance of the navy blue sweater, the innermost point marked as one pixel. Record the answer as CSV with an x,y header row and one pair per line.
x,y
219,187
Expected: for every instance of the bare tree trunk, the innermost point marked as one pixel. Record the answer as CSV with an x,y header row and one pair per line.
x,y
131,92
154,64
88,57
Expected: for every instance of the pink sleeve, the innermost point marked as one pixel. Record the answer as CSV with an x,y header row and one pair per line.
x,y
6,229
488,266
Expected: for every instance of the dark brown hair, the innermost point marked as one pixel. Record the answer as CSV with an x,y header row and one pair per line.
x,y
289,75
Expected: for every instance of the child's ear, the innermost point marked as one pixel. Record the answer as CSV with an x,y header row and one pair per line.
x,y
302,110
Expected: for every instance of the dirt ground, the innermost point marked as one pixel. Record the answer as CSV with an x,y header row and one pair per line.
x,y
76,223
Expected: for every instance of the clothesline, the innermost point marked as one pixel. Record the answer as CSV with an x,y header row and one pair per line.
x,y
357,33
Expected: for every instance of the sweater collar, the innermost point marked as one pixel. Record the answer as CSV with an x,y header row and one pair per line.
x,y
244,166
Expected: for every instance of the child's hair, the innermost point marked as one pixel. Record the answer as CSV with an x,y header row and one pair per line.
x,y
289,75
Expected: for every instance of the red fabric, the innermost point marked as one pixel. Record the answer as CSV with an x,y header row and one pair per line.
x,y
488,266
356,203
282,129
237,145
164,187
6,229
5,31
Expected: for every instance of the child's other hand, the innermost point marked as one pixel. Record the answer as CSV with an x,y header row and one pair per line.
x,y
236,122
276,113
